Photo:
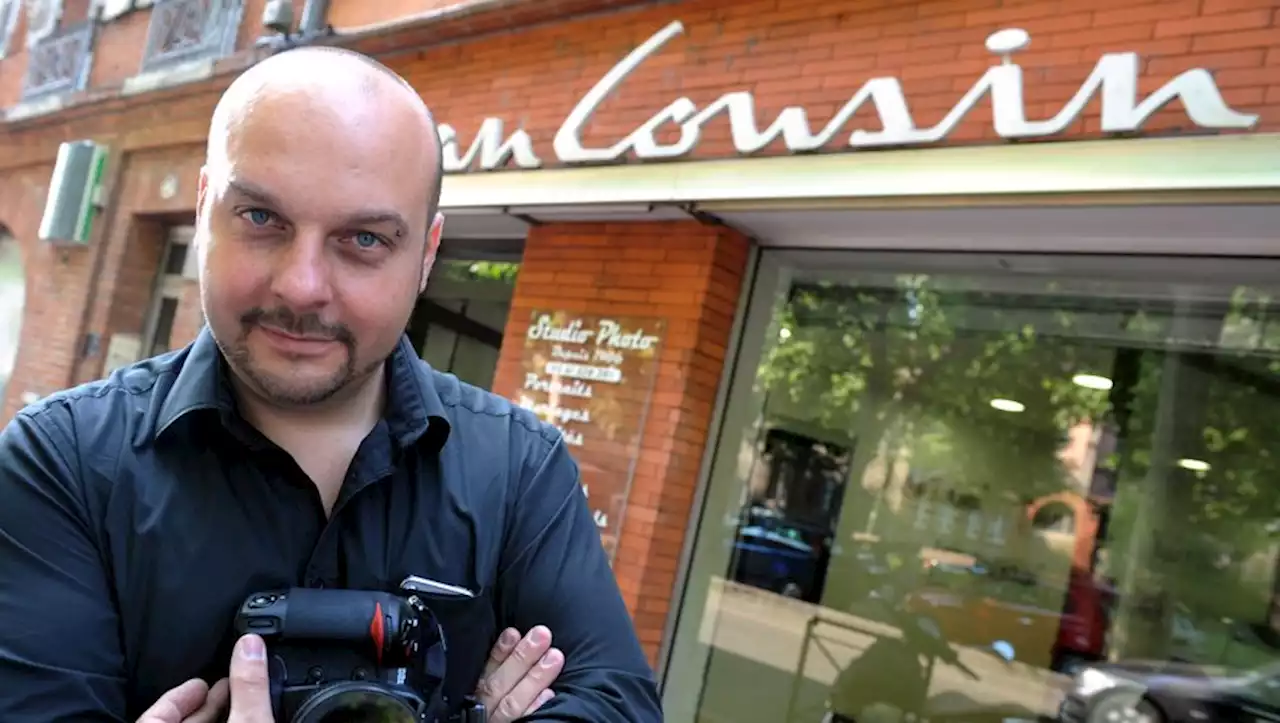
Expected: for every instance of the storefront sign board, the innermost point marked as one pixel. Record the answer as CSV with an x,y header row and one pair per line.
x,y
1114,79
592,377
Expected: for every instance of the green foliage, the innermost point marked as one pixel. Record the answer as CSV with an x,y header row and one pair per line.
x,y
495,271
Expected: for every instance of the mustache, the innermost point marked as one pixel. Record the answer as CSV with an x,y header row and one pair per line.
x,y
308,325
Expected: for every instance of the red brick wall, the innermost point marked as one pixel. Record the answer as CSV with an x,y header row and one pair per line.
x,y
55,297
690,274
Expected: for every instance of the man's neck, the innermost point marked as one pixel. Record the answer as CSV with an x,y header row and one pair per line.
x,y
322,438
357,406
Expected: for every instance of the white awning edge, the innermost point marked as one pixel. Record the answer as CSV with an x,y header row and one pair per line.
x,y
1228,162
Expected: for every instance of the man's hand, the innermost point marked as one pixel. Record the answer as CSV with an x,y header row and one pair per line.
x,y
192,702
247,691
517,681
518,676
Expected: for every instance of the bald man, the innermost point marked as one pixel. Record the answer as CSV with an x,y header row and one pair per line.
x,y
299,441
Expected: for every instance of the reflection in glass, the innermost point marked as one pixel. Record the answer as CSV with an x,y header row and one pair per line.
x,y
12,298
1077,465
457,324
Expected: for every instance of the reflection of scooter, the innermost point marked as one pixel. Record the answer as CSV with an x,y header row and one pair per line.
x,y
889,682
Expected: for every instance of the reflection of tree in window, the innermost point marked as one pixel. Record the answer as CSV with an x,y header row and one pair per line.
x,y
1054,517
12,299
1194,531
907,366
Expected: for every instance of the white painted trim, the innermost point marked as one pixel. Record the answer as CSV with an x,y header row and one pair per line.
x,y
1203,163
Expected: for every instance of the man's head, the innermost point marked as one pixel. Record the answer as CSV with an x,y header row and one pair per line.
x,y
317,222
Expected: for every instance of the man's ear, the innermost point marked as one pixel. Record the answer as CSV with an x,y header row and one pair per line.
x,y
433,248
202,214
202,190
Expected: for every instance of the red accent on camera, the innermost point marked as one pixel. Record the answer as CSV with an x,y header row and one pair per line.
x,y
377,632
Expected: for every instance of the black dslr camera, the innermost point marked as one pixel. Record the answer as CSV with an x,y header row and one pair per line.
x,y
353,656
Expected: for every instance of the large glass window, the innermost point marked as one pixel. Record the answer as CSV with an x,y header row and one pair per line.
x,y
1013,486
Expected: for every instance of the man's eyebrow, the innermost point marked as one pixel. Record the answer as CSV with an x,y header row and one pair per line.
x,y
251,192
374,218
361,218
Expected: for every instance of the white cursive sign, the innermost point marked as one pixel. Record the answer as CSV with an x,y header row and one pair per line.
x,y
1115,78
608,334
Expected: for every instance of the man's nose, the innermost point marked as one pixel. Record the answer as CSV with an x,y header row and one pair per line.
x,y
303,273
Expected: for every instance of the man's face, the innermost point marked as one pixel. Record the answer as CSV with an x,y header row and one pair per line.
x,y
314,241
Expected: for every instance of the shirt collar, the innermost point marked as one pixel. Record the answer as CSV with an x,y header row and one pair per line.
x,y
414,409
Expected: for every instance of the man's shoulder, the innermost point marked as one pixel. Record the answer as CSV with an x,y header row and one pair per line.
x,y
476,416
114,407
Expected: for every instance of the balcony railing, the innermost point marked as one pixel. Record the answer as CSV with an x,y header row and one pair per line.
x,y
188,30
59,63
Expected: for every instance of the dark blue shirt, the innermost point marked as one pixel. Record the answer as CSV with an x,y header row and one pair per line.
x,y
138,512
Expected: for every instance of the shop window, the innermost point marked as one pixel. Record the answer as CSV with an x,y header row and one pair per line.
x,y
457,326
12,301
931,461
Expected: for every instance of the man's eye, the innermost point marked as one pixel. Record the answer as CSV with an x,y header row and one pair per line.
x,y
366,240
258,217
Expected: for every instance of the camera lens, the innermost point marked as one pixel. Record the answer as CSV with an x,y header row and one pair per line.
x,y
354,702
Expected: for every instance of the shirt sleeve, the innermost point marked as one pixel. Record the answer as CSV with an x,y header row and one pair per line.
x,y
554,572
60,654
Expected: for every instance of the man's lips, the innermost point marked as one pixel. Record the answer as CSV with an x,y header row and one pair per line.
x,y
296,337
295,345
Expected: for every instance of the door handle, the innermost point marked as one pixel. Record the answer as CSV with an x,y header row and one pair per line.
x,y
1025,621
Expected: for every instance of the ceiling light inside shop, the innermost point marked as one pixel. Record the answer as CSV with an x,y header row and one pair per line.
x,y
1195,465
1092,381
1007,405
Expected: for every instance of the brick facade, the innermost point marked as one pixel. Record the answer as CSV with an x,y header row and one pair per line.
x,y
809,53
688,274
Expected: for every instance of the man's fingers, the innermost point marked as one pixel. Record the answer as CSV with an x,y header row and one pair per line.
x,y
215,705
177,704
249,686
526,694
500,651
543,698
495,687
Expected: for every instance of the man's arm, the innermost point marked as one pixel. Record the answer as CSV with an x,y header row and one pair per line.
x,y
60,656
555,573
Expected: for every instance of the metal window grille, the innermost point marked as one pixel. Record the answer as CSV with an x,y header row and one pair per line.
x,y
189,30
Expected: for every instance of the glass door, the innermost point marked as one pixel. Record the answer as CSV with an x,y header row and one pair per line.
x,y
951,483
177,266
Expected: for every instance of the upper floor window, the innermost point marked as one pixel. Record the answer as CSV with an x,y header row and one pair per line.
x,y
191,30
59,49
8,23
42,19
109,10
